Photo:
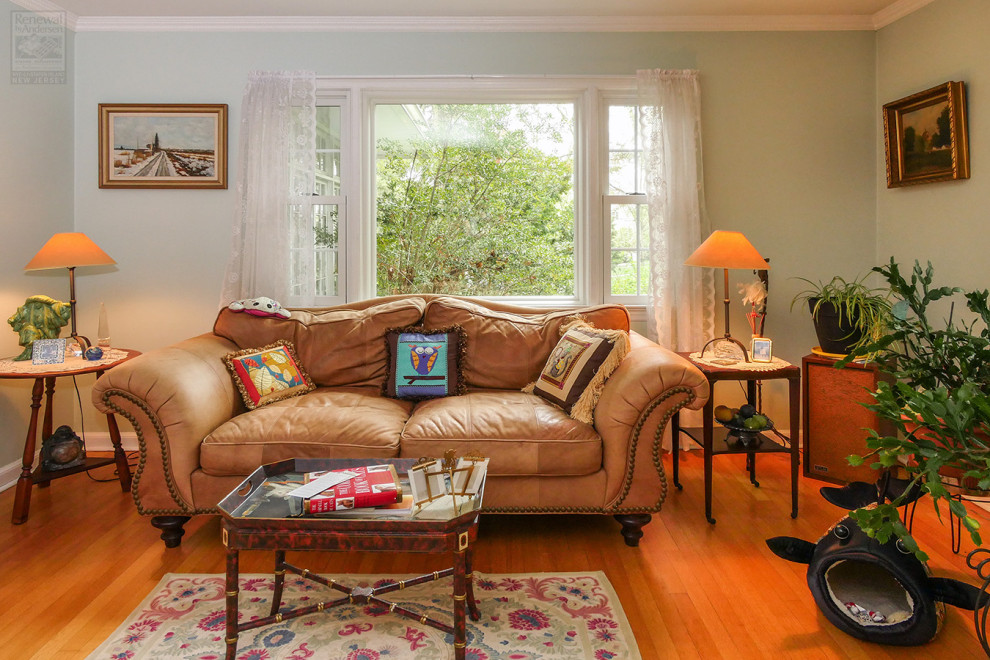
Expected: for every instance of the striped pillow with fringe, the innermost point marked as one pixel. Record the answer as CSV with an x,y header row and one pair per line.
x,y
575,373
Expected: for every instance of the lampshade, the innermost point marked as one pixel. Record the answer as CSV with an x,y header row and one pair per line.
x,y
727,249
68,250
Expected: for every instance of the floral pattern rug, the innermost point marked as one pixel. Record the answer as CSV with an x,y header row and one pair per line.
x,y
523,617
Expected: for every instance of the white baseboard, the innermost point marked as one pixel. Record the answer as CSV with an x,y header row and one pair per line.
x,y
101,441
9,474
94,442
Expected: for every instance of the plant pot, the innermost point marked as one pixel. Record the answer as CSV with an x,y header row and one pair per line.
x,y
833,336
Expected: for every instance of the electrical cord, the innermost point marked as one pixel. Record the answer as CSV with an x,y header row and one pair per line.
x,y
82,434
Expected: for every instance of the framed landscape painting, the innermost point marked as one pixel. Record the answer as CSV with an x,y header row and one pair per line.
x,y
163,146
927,136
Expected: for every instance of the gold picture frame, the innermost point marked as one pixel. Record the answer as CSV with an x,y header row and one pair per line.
x,y
761,350
174,145
927,136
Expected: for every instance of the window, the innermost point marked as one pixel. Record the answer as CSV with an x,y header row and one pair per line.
x,y
475,199
315,220
526,189
628,256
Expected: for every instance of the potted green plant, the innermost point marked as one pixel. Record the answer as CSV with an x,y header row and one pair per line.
x,y
847,314
939,400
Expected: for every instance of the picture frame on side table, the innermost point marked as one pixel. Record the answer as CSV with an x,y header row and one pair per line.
x,y
174,145
761,350
927,136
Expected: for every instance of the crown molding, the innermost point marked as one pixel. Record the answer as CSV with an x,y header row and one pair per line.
x,y
816,23
896,11
471,23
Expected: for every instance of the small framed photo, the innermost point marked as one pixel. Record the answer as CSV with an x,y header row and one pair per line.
x,y
761,350
469,475
174,145
926,136
48,351
427,482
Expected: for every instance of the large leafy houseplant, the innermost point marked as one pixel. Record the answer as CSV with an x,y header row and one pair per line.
x,y
939,400
859,312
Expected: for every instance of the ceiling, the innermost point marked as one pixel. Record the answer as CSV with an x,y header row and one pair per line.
x,y
544,15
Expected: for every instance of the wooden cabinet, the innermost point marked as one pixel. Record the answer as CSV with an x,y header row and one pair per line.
x,y
835,419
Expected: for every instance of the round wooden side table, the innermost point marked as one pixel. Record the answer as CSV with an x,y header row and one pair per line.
x,y
44,381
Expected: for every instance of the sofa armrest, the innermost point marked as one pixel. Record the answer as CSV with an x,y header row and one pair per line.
x,y
173,397
649,386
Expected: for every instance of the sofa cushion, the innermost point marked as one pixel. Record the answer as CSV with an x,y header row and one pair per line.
x,y
423,363
508,350
576,371
521,433
268,374
339,346
326,423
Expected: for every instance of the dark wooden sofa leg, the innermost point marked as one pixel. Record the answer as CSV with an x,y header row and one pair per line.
x,y
172,531
632,526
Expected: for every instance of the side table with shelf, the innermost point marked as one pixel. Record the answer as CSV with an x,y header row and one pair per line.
x,y
45,377
716,441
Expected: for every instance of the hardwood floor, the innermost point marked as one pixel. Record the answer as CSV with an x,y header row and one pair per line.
x,y
85,559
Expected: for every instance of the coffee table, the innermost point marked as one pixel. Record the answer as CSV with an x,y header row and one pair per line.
x,y
255,516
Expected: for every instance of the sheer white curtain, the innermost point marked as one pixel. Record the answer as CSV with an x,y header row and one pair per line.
x,y
681,310
682,314
277,164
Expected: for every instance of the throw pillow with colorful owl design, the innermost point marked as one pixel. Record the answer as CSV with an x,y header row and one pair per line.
x,y
424,364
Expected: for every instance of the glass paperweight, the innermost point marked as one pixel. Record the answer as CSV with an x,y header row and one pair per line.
x,y
727,352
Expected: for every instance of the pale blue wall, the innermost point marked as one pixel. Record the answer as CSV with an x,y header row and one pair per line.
x,y
947,222
788,138
788,123
36,186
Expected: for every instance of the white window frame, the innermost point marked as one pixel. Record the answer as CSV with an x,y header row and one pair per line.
x,y
340,99
358,97
636,302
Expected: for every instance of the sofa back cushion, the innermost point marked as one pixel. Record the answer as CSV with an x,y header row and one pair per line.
x,y
337,346
507,350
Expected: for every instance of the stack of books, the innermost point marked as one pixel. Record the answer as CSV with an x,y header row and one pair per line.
x,y
372,490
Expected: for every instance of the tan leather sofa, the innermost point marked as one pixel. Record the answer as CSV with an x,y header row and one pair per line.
x,y
197,440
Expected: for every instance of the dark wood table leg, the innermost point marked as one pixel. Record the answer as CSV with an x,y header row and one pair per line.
x,y
675,448
119,457
48,427
707,433
460,596
794,399
473,611
751,464
22,496
279,581
232,593
751,456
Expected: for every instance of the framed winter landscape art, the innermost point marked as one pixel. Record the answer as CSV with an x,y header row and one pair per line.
x,y
172,145
927,136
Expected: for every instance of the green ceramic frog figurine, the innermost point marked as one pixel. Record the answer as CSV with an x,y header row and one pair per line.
x,y
40,317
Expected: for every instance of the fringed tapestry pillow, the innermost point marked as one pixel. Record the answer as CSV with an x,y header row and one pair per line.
x,y
576,371
424,364
268,374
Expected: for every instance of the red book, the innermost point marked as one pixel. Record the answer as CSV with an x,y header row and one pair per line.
x,y
373,485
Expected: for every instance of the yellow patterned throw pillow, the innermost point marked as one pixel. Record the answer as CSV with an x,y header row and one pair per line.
x,y
268,374
576,371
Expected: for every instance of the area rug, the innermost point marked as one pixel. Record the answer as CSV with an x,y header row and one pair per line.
x,y
523,617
